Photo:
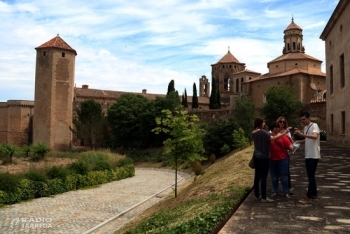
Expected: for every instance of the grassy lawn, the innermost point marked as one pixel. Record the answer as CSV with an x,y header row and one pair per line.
x,y
203,202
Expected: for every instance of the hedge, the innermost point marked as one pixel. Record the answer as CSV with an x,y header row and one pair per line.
x,y
29,189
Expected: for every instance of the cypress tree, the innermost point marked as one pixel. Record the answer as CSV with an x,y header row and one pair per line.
x,y
218,99
213,102
194,97
171,87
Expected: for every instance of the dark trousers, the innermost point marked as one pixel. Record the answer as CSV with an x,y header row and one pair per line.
x,y
260,176
289,178
311,166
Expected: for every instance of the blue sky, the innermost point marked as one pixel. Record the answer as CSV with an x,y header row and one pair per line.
x,y
133,45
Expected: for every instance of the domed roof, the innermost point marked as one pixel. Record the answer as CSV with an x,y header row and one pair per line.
x,y
292,26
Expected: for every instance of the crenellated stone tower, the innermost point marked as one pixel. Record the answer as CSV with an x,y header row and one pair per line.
x,y
54,92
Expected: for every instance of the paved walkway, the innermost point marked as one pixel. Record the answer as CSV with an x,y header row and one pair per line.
x,y
329,214
80,211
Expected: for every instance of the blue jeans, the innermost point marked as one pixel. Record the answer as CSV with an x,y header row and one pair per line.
x,y
279,171
311,166
260,176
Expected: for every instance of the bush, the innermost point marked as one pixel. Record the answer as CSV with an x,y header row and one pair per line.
x,y
79,167
197,167
102,166
212,158
35,176
7,150
9,182
39,151
57,172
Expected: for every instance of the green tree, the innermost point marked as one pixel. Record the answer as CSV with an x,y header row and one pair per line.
x,y
184,99
239,139
194,97
218,99
7,150
131,120
185,137
90,123
213,100
39,151
244,112
217,135
281,100
171,87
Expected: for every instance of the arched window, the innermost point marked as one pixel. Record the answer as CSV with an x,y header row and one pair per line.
x,y
242,80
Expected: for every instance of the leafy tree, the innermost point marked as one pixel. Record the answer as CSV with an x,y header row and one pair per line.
x,y
185,137
213,100
171,87
90,123
280,100
239,139
131,120
217,135
169,102
7,150
244,112
39,151
194,97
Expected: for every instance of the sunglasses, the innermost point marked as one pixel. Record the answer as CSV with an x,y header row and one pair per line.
x,y
282,121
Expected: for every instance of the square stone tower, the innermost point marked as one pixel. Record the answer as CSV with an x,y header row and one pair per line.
x,y
54,92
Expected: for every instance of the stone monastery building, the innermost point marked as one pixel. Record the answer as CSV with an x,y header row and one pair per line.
x,y
49,117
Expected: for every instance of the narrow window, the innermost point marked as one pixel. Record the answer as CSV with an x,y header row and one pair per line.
x,y
293,45
44,53
332,123
331,79
342,71
226,84
237,85
242,80
342,122
63,55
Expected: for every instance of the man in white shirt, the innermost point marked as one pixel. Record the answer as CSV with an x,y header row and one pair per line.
x,y
311,133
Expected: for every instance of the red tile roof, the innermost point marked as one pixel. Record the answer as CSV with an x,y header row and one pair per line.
x,y
292,56
287,73
292,26
109,94
57,42
228,58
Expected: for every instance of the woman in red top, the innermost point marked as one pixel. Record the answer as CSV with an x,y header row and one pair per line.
x,y
279,160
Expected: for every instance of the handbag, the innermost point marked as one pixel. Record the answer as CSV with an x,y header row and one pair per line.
x,y
251,163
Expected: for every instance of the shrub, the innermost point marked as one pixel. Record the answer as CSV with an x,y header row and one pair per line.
x,y
57,172
35,176
26,149
124,162
7,150
102,166
212,158
197,167
9,182
79,167
56,186
39,151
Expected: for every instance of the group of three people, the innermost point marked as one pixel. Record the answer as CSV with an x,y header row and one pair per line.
x,y
272,150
